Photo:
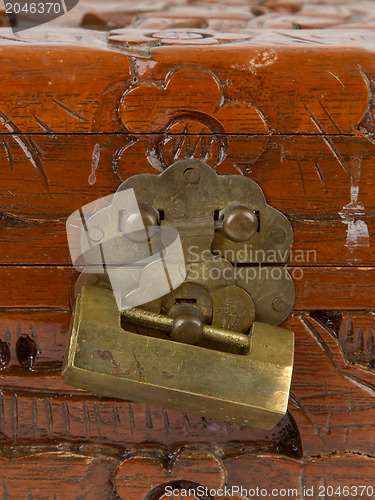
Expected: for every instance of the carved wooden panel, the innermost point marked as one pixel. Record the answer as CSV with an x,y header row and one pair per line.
x,y
280,91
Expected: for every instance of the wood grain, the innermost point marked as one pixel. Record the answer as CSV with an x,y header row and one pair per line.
x,y
318,287
316,194
317,242
330,93
298,174
55,474
301,478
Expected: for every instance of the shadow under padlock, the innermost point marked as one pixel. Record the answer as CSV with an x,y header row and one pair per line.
x,y
165,314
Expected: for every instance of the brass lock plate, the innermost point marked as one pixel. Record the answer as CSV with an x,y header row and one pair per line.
x,y
241,364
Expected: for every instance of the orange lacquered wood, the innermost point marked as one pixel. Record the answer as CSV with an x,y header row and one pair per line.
x,y
82,110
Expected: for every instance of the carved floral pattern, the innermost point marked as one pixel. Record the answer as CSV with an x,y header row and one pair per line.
x,y
190,117
256,475
184,471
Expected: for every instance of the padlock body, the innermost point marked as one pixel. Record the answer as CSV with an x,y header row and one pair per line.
x,y
249,389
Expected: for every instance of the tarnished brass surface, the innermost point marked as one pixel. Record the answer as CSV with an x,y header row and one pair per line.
x,y
211,345
208,210
249,389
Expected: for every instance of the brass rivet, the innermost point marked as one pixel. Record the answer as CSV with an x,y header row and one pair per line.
x,y
278,235
95,234
191,175
279,304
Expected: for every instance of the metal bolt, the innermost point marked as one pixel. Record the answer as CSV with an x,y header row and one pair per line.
x,y
279,305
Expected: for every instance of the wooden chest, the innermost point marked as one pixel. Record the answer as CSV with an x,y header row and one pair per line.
x,y
280,91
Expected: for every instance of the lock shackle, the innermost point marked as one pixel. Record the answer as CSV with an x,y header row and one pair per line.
x,y
141,317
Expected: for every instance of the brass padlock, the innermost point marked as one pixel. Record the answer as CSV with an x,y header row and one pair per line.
x,y
177,305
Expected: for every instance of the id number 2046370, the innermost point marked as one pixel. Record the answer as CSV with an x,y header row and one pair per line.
x,y
33,8
346,491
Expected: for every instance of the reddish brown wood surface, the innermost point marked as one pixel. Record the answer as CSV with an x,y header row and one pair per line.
x,y
238,86
316,287
326,95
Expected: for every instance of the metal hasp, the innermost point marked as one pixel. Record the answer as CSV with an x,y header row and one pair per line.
x,y
210,346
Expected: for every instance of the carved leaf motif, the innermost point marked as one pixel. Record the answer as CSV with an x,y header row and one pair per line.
x,y
337,410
